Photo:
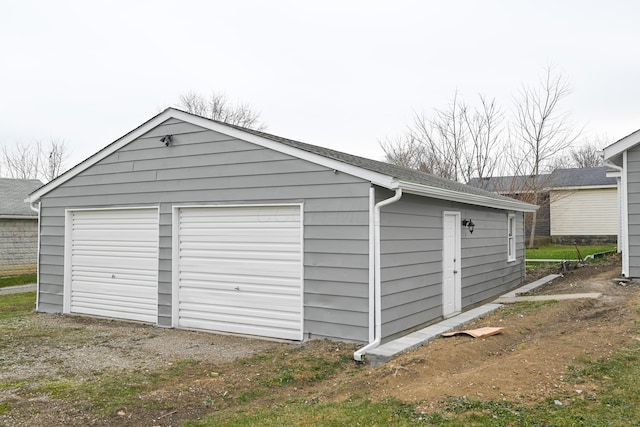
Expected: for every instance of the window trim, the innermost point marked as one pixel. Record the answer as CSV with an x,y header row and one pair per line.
x,y
511,237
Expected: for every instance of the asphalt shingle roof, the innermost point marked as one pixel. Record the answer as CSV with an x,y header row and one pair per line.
x,y
12,195
581,177
397,172
569,177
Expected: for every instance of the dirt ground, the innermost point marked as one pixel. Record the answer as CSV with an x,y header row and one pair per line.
x,y
527,363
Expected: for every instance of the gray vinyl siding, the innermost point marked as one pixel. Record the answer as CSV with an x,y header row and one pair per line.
x,y
633,195
205,167
411,259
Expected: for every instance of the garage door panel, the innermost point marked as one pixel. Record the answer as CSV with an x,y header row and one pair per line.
x,y
254,301
126,313
114,263
243,317
229,286
218,255
240,270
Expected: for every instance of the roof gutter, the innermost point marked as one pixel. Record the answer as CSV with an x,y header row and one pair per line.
x,y
375,283
18,216
467,198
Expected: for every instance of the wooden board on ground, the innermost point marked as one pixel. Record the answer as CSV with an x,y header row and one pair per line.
x,y
476,333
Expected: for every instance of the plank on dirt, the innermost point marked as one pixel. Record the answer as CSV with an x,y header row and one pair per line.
x,y
476,333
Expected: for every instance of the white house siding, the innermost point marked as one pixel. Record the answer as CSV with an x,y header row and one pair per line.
x,y
633,196
205,167
588,212
411,260
18,246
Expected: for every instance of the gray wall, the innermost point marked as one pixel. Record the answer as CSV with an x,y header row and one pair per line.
x,y
411,233
18,246
633,188
203,166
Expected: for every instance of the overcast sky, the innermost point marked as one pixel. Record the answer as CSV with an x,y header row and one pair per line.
x,y
340,74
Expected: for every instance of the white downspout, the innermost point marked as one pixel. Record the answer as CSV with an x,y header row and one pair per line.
x,y
37,209
623,217
375,294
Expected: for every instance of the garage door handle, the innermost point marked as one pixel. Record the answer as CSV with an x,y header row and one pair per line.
x,y
237,288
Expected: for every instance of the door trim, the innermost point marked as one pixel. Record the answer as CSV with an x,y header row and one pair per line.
x,y
68,246
457,277
175,253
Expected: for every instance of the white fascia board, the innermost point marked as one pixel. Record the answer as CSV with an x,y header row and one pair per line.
x,y
584,187
95,158
621,145
613,174
374,177
470,199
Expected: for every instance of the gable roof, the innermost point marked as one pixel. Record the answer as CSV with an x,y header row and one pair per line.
x,y
12,195
568,178
613,152
511,184
379,173
581,177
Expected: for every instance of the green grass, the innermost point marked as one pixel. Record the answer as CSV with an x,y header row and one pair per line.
x,y
17,305
357,411
108,393
18,280
566,252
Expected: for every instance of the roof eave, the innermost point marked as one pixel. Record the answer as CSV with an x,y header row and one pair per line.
x,y
467,198
584,187
371,176
622,145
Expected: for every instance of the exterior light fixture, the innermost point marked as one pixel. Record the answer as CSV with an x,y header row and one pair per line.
x,y
469,224
166,139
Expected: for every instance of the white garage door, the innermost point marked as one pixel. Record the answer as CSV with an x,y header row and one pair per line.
x,y
114,263
240,270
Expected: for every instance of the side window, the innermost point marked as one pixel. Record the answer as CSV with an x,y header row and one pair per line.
x,y
511,237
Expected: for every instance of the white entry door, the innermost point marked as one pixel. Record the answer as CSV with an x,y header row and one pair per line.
x,y
451,275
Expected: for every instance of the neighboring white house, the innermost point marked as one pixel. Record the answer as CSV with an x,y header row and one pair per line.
x,y
576,204
583,205
18,227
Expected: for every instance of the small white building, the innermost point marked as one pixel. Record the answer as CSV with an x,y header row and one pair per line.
x,y
18,227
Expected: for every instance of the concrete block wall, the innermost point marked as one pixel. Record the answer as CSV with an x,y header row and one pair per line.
x,y
18,247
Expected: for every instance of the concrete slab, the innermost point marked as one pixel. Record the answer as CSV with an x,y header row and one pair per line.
x,y
391,349
387,351
17,289
560,297
530,286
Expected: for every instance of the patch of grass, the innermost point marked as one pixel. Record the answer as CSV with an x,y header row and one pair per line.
x,y
17,305
108,393
356,411
5,408
524,307
566,252
18,280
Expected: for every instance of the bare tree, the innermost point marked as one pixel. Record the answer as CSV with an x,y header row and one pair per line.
x,y
218,107
22,161
52,159
541,128
34,160
457,143
588,156
406,151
